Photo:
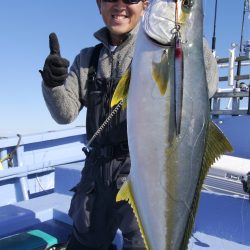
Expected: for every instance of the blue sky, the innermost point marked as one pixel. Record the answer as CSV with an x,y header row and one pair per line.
x,y
25,26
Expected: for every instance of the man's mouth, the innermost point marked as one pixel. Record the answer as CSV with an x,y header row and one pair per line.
x,y
119,17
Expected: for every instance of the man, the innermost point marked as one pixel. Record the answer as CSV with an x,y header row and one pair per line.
x,y
91,82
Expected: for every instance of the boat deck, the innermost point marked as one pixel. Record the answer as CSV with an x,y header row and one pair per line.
x,y
222,221
35,191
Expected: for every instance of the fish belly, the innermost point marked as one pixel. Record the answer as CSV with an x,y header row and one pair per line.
x,y
147,143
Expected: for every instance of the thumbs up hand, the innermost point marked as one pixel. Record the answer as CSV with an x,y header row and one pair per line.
x,y
55,68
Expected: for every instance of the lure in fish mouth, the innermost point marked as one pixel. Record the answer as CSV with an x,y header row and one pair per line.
x,y
166,29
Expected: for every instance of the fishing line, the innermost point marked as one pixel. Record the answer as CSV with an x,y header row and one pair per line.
x,y
186,205
242,215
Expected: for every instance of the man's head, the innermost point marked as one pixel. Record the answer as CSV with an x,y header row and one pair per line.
x,y
121,16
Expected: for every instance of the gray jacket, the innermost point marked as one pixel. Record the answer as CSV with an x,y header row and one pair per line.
x,y
65,102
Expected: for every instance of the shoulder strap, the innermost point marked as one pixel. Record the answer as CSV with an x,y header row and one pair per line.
x,y
93,63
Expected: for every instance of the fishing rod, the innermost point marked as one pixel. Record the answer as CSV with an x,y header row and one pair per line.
x,y
214,32
245,9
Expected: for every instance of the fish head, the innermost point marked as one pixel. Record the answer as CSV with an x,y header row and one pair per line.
x,y
164,18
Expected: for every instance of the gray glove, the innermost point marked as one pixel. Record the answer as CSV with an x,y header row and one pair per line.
x,y
55,70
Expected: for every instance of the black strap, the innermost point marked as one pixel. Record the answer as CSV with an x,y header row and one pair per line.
x,y
93,63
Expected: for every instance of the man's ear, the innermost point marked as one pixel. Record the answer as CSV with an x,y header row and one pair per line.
x,y
145,4
98,2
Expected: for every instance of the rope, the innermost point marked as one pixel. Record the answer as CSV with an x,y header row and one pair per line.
x,y
9,157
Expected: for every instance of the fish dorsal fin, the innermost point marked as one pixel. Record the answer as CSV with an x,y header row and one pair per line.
x,y
126,193
121,91
216,145
160,72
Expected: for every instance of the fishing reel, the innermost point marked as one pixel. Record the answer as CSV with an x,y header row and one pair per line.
x,y
246,183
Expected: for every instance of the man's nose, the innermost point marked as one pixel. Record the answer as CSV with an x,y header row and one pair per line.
x,y
120,3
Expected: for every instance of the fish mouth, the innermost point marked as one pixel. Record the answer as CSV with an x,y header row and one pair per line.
x,y
159,22
161,44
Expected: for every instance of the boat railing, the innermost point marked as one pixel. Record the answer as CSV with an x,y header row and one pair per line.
x,y
28,161
232,95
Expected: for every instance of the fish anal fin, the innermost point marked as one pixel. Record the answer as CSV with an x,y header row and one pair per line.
x,y
126,193
160,72
121,91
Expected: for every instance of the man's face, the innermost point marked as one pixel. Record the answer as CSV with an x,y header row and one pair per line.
x,y
120,18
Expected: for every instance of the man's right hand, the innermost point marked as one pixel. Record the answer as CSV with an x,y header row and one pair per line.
x,y
55,70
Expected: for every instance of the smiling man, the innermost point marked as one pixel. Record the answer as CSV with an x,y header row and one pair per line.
x,y
90,83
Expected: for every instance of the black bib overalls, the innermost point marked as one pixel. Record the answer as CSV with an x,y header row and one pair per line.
x,y
95,213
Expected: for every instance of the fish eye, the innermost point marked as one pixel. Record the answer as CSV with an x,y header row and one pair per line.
x,y
187,4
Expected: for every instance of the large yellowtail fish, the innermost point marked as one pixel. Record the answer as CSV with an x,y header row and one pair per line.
x,y
172,140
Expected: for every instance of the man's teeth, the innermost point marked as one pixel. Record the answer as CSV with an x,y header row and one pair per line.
x,y
119,17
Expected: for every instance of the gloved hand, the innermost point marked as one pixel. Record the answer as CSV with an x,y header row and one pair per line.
x,y
55,68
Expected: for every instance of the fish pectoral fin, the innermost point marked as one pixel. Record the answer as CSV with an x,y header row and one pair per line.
x,y
121,91
126,193
160,72
1,166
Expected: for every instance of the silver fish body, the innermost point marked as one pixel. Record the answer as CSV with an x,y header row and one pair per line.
x,y
165,166
172,141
